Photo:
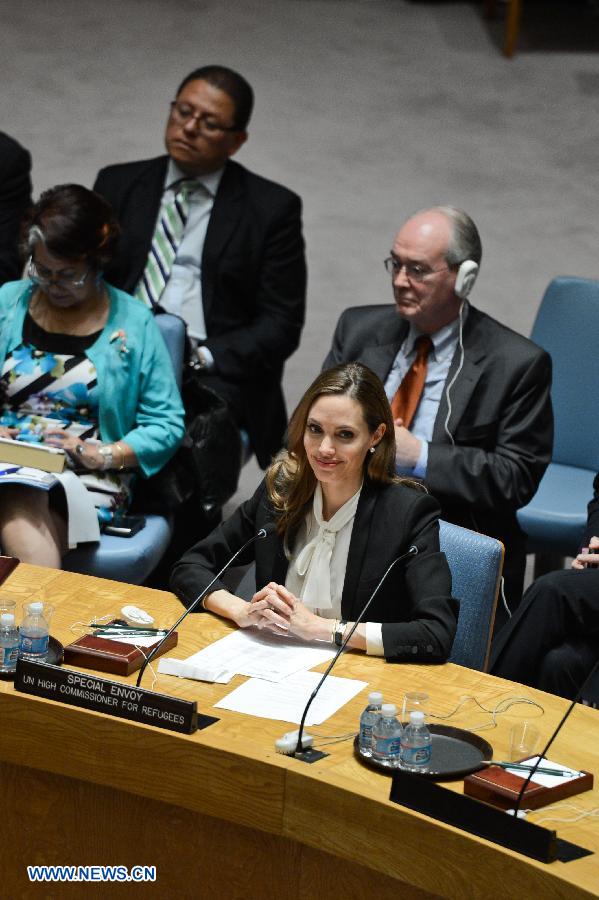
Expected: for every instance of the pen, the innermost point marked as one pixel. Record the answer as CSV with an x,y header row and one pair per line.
x,y
137,632
526,768
124,628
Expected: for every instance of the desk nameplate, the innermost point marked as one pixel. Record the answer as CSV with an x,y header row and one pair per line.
x,y
112,697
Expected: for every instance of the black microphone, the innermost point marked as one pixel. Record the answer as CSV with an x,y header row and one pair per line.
x,y
543,755
299,751
264,532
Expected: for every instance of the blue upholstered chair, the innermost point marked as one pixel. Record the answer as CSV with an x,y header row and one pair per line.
x,y
476,562
567,325
133,559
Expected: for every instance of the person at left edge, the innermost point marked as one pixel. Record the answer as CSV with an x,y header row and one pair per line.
x,y
15,200
239,275
342,516
84,368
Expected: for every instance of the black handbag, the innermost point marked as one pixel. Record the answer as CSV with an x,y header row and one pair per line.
x,y
208,462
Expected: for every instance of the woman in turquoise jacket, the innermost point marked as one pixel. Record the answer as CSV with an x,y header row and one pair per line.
x,y
84,367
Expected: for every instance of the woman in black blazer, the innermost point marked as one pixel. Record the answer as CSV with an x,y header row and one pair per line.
x,y
341,517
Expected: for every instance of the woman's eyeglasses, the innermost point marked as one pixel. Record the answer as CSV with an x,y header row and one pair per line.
x,y
45,278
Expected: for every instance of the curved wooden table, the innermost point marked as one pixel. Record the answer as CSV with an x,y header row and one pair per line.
x,y
222,815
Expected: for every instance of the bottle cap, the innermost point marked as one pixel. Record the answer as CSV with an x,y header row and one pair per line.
x,y
7,619
375,697
36,608
388,709
416,717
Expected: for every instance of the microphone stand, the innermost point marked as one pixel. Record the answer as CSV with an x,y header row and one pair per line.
x,y
310,755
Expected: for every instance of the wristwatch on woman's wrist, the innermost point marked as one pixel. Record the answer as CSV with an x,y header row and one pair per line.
x,y
340,632
107,456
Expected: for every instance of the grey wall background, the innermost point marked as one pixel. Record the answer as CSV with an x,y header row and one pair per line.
x,y
368,110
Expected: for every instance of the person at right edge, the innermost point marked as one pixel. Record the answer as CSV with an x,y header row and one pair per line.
x,y
552,641
470,397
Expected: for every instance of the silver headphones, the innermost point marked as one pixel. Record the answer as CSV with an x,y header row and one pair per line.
x,y
465,278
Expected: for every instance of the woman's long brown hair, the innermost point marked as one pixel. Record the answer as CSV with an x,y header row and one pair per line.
x,y
290,481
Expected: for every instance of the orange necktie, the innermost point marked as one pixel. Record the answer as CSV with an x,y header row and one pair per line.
x,y
407,397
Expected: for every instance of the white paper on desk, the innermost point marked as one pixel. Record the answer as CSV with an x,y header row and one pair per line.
x,y
547,780
185,669
139,640
259,655
286,700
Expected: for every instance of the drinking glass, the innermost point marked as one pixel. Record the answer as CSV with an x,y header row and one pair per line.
x,y
412,701
524,740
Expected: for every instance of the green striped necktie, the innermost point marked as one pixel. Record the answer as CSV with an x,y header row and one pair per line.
x,y
167,237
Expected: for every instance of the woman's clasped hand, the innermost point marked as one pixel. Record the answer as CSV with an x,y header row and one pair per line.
x,y
274,608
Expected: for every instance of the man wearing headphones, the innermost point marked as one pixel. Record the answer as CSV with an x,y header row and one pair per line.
x,y
470,397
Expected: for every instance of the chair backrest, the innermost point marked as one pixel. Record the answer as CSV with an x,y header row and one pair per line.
x,y
172,329
476,562
567,325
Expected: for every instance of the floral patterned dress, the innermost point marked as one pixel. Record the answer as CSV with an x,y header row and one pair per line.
x,y
48,382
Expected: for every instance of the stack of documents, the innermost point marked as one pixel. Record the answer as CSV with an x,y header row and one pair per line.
x,y
279,686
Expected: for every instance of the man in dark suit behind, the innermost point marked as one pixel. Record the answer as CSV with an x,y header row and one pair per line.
x,y
15,200
482,433
239,276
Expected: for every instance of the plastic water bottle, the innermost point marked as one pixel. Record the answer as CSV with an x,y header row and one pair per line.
x,y
9,644
367,720
34,634
387,737
416,744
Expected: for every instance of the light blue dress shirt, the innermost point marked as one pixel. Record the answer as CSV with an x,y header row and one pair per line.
x,y
183,292
442,352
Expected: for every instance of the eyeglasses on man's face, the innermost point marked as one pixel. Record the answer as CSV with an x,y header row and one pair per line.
x,y
182,113
414,271
44,277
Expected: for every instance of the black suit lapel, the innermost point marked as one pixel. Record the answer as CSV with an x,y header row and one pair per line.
x,y
360,537
474,340
379,357
144,202
226,212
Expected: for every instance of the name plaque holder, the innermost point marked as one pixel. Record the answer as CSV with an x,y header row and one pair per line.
x,y
418,793
115,698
